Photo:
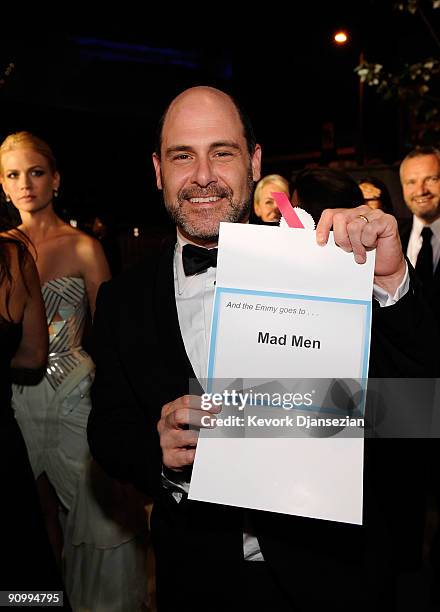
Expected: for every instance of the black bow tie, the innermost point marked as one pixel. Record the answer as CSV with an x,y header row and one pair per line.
x,y
197,259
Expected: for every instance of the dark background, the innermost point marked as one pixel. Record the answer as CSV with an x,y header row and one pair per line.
x,y
94,89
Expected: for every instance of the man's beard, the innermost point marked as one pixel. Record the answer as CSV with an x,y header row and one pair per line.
x,y
428,215
205,223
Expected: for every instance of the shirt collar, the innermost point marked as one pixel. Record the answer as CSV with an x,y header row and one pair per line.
x,y
418,225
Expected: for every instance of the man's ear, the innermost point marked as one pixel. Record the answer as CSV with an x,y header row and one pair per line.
x,y
156,164
256,163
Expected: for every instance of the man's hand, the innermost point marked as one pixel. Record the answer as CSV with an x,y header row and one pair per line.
x,y
176,440
362,229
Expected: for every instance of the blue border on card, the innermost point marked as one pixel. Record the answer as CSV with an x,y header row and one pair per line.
x,y
316,298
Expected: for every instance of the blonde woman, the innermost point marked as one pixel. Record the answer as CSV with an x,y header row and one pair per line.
x,y
265,206
53,415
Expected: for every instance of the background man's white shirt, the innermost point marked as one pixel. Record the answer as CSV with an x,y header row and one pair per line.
x,y
415,241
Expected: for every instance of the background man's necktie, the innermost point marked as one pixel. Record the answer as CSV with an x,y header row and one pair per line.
x,y
196,259
424,265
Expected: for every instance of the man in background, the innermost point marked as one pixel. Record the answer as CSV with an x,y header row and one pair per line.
x,y
420,178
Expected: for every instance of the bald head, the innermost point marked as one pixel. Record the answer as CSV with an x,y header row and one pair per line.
x,y
201,95
206,163
209,98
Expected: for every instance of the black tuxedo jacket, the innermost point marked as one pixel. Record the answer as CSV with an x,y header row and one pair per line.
x,y
432,294
141,364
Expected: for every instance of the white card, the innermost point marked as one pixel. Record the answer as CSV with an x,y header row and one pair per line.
x,y
293,319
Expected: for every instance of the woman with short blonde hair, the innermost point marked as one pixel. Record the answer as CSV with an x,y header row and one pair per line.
x,y
265,206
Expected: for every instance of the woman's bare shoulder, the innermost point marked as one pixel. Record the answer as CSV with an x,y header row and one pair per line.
x,y
84,249
76,234
77,239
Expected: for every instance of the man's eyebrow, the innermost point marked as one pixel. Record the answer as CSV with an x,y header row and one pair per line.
x,y
225,143
177,148
214,145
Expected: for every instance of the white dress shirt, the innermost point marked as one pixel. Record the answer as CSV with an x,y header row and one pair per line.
x,y
415,241
194,301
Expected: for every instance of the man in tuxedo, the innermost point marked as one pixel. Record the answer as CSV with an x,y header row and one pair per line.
x,y
151,337
420,178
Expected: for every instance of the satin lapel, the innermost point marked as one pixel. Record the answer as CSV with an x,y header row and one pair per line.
x,y
437,277
172,344
405,226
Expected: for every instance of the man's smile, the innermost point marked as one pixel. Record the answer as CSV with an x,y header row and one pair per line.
x,y
204,200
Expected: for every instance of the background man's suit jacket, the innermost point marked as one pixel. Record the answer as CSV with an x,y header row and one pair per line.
x,y
142,364
432,294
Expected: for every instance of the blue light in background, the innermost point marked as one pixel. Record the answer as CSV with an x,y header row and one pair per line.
x,y
111,51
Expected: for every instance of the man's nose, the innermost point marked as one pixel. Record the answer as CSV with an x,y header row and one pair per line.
x,y
421,187
204,172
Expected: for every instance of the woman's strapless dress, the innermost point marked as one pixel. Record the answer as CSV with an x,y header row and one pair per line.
x,y
105,529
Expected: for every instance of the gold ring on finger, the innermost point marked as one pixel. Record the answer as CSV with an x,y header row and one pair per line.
x,y
364,218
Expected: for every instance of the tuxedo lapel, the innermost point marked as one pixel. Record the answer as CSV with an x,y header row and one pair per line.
x,y
172,345
437,276
405,226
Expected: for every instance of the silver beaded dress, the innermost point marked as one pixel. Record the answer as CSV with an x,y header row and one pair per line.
x,y
53,415
104,556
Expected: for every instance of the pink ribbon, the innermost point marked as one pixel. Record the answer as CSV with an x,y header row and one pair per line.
x,y
286,209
